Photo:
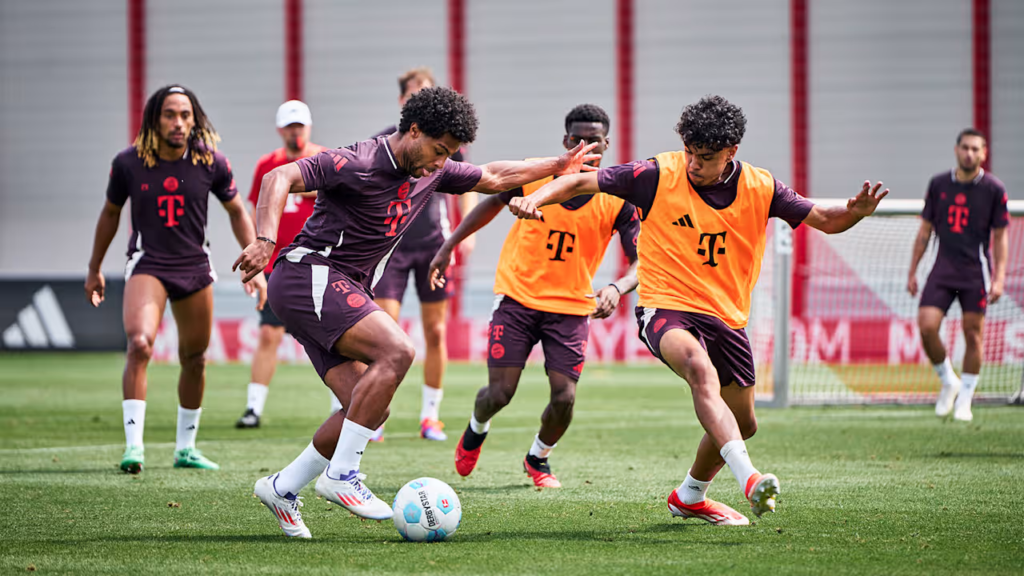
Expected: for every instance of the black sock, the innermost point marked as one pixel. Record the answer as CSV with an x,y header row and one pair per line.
x,y
471,440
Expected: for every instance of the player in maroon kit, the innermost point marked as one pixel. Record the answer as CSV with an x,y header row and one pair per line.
x,y
965,208
294,123
413,255
322,287
169,174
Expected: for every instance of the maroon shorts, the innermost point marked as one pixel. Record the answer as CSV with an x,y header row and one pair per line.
x,y
317,305
973,297
515,329
179,284
728,348
414,259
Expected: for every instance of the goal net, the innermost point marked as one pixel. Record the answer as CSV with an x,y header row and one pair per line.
x,y
852,326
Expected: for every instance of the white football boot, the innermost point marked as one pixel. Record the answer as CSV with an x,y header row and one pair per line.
x,y
286,511
351,494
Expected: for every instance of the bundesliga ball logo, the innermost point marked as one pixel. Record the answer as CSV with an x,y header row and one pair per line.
x,y
427,510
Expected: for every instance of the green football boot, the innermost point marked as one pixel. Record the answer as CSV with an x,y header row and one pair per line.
x,y
193,458
133,459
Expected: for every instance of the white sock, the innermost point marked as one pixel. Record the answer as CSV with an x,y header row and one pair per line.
x,y
188,427
692,491
335,403
300,472
134,421
968,383
735,455
257,397
945,371
477,426
540,449
431,403
349,453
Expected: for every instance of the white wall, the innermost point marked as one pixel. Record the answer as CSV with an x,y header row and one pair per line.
x,y
63,117
891,87
1008,94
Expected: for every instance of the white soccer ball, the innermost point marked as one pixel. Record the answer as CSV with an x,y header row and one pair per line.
x,y
427,510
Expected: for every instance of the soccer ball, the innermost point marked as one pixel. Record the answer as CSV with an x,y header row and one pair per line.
x,y
427,510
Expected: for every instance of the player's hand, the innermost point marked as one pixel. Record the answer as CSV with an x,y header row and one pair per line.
x,y
575,161
912,285
257,288
607,301
95,288
438,266
995,292
254,259
525,208
865,202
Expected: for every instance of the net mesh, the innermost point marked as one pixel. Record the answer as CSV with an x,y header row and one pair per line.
x,y
854,334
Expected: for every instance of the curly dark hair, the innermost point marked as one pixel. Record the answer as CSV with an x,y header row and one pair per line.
x,y
439,111
713,123
587,113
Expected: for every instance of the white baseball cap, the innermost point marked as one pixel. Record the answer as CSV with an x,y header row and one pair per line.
x,y
294,112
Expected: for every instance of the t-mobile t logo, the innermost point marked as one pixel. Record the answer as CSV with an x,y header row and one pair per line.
x,y
171,205
958,218
711,252
561,246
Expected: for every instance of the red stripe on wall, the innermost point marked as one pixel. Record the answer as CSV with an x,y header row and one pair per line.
x,y
136,65
457,80
981,16
801,153
624,48
293,40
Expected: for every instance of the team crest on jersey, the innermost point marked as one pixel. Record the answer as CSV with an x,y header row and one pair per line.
x,y
961,199
497,351
355,300
171,184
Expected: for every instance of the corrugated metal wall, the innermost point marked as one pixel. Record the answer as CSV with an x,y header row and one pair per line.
x,y
890,86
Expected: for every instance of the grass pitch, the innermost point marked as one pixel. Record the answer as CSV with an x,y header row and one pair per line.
x,y
865,490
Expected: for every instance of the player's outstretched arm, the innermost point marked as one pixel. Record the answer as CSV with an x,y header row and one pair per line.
x,y
506,175
277,184
1000,252
479,217
245,233
840,219
924,234
555,192
106,229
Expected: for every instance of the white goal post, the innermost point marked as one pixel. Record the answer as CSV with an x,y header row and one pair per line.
x,y
851,336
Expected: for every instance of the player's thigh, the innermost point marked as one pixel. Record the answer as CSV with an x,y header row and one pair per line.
x,y
512,334
685,355
503,382
929,318
935,302
194,316
433,315
376,336
390,305
342,378
143,309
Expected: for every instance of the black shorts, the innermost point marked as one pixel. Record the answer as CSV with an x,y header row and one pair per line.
x,y
973,296
267,316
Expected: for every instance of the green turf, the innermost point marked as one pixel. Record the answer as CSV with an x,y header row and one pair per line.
x,y
865,490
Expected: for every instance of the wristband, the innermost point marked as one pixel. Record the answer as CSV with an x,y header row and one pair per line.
x,y
613,285
265,239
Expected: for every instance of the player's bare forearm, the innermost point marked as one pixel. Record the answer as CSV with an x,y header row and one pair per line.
x,y
924,235
1000,253
506,175
628,282
106,229
274,190
836,219
562,189
476,219
241,223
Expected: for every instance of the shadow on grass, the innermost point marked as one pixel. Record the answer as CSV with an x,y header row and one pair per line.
x,y
967,455
113,471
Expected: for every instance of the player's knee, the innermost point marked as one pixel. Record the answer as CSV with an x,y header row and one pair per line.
x,y
434,333
563,400
194,361
748,428
140,348
501,395
270,336
399,356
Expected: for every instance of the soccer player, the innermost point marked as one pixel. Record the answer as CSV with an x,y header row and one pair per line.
x,y
702,235
294,124
322,287
544,294
964,207
169,174
413,254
